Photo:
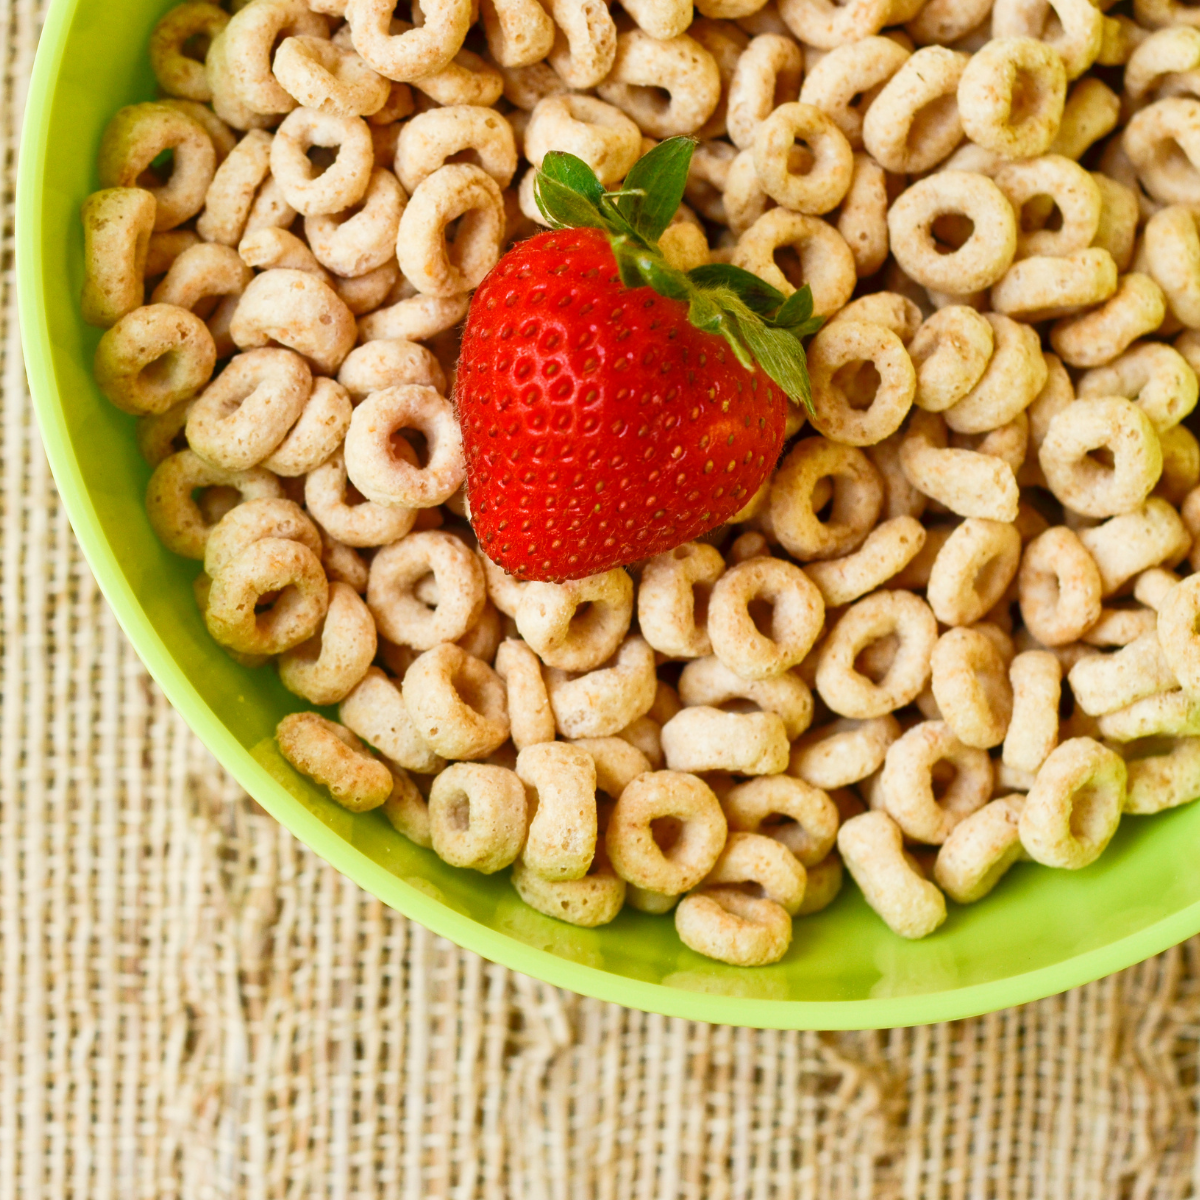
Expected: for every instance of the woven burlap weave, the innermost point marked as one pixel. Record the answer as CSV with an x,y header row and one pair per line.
x,y
194,1005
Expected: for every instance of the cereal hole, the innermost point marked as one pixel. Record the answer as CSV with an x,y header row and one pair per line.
x,y
930,118
426,590
215,502
665,831
789,262
1088,822
353,497
1102,457
941,778
700,597
859,382
951,231
458,815
322,158
159,170
762,613
411,446
1040,212
196,47
1027,96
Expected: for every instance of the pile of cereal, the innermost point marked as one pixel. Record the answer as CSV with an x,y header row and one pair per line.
x,y
991,510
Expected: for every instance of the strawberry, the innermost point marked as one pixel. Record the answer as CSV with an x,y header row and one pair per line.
x,y
612,407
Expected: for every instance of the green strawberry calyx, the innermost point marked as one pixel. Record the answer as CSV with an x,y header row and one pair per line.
x,y
762,326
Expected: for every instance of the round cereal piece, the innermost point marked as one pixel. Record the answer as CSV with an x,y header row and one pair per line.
x,y
733,927
970,685
389,362
796,616
388,479
1119,217
707,739
469,79
1169,714
972,571
1103,683
1074,806
1094,338
672,599
208,280
1101,457
397,569
872,847
550,619
117,225
907,782
789,811
767,75
520,33
618,763
1011,96
843,752
459,193
863,382
847,81
823,885
1181,464
825,261
862,218
1015,375
1036,289
1171,245
332,756
944,22
1158,782
709,681
273,247
1074,28
374,709
752,858
1178,618
655,903
136,136
644,68
1036,679
560,780
366,524
456,701
178,73
253,520
294,309
950,353
265,566
477,816
322,75
1163,145
849,692
826,25
593,900
598,133
530,715
154,357
743,201
822,186
1155,376
316,433
981,259
343,183
585,44
888,549
1075,195
799,484
689,821
160,435
605,701
433,138
1124,546
324,669
415,52
230,197
414,318
979,850
913,124
359,240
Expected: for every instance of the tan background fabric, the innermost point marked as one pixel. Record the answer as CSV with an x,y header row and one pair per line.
x,y
193,1005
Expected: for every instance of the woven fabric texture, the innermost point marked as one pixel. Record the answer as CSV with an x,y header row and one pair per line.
x,y
194,1005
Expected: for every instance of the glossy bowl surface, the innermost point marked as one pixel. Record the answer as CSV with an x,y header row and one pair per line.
x,y
1041,932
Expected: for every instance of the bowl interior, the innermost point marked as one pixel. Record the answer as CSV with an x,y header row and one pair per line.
x,y
1040,932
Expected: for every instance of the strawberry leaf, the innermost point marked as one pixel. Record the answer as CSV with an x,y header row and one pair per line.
x,y
653,189
572,173
782,357
755,293
796,309
564,208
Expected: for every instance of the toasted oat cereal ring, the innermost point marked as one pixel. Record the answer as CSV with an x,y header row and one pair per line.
x,y
1036,678
1075,195
268,565
246,412
520,33
970,684
644,68
944,22
985,254
164,247
253,520
397,569
505,592
231,194
822,186
752,858
888,549
316,433
730,926
795,621
1166,52
406,809
389,362
270,208
862,218
950,352
415,52
826,25
913,123
160,435
343,183
117,227
844,688
1041,287
842,752
972,570
1097,337
743,200
529,712
1075,28
456,701
1169,714
789,811
343,564
324,669
979,850
655,903
223,81
329,78
1103,683
468,79
708,739
174,515
1163,144
689,821
1125,546
684,246
456,193
863,382
1119,217
1118,626
889,309
661,19
726,43
872,847
1155,376
548,617
1011,96
1171,248
1074,806
332,756
673,596
433,138
767,75
561,783
823,885
908,781
357,524
708,681
604,701
825,261
207,279
585,45
365,293
1165,780
1015,375
798,491
645,735
136,136
598,133
1101,487
477,816
1181,464
154,357
593,900
968,482
845,82
178,73
1178,618
221,135
618,763
375,710
356,241
1152,587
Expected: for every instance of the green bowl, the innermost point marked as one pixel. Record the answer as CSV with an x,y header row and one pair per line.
x,y
1041,932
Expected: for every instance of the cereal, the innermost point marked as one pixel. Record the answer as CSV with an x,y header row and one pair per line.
x,y
604,701
979,850
336,759
456,701
1036,679
810,819
530,716
972,570
970,684
573,626
117,226
708,681
326,668
730,926
767,74
375,710
1159,782
560,780
844,751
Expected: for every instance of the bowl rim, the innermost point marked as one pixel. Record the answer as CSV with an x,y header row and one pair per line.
x,y
882,1012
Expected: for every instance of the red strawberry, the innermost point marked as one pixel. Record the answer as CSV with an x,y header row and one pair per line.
x,y
600,424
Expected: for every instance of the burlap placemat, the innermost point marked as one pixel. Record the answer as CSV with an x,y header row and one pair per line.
x,y
194,1005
